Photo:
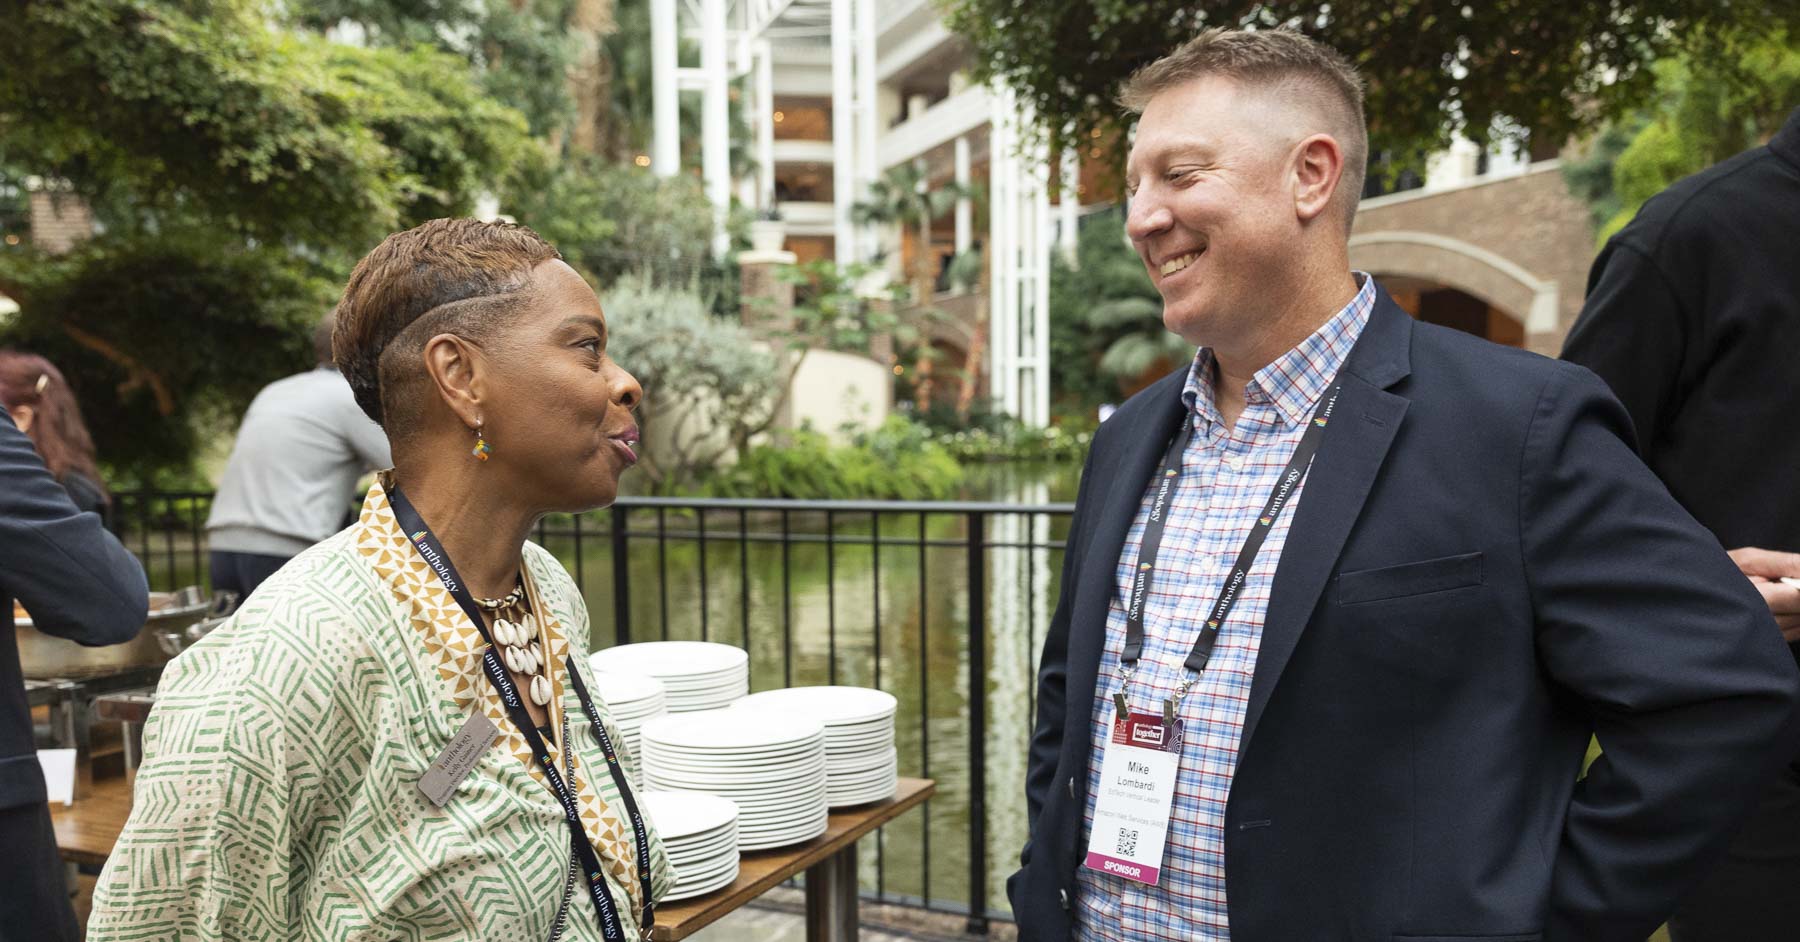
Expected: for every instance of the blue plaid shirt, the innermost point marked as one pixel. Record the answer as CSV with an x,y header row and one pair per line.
x,y
1226,476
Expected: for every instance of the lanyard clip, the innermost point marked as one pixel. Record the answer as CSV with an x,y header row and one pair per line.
x,y
1123,704
1169,711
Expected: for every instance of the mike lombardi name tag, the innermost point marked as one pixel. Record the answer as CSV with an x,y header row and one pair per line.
x,y
465,749
1137,789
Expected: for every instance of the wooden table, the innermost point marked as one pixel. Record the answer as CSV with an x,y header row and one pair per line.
x,y
829,861
87,831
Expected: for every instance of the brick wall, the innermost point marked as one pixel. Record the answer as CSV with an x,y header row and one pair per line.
x,y
1531,220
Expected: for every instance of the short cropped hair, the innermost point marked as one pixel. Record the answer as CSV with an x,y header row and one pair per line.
x,y
1280,60
460,276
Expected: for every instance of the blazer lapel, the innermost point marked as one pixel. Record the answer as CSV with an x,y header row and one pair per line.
x,y
1355,446
1142,445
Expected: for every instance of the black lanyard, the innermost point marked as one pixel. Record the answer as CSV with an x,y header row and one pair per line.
x,y
433,552
1168,473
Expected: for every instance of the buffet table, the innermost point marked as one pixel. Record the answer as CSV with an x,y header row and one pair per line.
x,y
87,830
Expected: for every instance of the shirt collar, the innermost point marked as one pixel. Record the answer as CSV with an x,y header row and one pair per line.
x,y
1295,380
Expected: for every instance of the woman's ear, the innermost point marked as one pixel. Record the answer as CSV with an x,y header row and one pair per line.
x,y
458,373
22,416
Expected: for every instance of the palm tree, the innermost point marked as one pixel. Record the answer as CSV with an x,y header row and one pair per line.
x,y
905,196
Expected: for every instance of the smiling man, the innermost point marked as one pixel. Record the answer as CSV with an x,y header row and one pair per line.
x,y
1346,597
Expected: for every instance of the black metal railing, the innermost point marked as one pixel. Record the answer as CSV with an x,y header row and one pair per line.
x,y
940,604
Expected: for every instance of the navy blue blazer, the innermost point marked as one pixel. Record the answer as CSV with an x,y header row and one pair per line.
x,y
1479,575
72,576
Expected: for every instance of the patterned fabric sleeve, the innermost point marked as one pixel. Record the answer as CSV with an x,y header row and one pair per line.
x,y
205,854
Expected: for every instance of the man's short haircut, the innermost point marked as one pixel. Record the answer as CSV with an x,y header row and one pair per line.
x,y
459,276
1279,60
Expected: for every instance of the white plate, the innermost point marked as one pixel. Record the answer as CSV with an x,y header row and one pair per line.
x,y
731,730
725,843
797,836
737,767
620,689
752,812
721,882
682,813
665,659
703,870
834,706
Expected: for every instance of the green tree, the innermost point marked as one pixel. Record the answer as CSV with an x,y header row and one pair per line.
x,y
200,110
165,340
237,168
611,220
1106,324
905,196
1552,68
1705,108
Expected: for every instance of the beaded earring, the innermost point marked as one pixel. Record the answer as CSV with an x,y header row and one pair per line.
x,y
482,449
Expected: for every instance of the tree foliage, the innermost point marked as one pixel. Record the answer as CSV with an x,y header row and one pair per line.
x,y
708,388
1553,68
164,340
518,48
1106,325
199,109
1704,109
237,168
612,220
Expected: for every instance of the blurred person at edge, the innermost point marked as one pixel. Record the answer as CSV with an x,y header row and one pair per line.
x,y
300,776
291,477
1387,697
1693,317
76,582
43,406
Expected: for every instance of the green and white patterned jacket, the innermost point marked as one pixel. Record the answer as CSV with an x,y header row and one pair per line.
x,y
277,796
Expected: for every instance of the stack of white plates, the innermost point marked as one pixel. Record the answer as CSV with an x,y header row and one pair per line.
x,y
861,764
771,764
696,674
700,834
632,700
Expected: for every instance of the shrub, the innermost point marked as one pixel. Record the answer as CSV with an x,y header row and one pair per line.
x,y
896,461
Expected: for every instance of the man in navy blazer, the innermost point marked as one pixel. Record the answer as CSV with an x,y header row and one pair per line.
x,y
1475,575
79,583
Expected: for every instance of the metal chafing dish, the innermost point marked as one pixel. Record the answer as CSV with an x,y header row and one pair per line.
x,y
44,656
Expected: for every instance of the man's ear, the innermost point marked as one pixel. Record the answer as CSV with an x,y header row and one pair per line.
x,y
1318,167
458,374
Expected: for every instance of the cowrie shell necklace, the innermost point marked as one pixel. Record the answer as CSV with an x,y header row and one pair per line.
x,y
517,638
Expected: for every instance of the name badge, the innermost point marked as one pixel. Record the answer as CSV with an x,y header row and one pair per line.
x,y
439,782
1137,791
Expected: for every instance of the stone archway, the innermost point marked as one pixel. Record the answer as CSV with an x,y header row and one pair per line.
x,y
1468,268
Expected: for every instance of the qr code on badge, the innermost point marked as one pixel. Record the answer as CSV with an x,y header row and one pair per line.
x,y
1126,845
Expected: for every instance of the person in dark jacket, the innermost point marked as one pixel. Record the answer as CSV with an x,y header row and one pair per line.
x,y
1345,598
1693,319
77,582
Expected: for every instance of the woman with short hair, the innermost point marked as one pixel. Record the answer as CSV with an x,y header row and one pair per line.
x,y
393,739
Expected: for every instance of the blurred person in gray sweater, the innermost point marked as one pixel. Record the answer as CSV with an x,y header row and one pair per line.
x,y
303,445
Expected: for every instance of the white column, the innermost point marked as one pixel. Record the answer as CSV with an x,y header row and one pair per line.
x,y
665,148
965,207
843,131
765,125
868,115
1068,207
715,121
1003,308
